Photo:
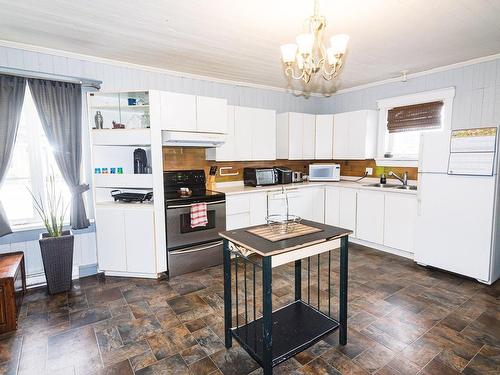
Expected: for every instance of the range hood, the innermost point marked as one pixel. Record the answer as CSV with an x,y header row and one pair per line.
x,y
192,139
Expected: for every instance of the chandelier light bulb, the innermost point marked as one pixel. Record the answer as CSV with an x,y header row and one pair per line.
x,y
288,52
305,43
332,58
339,43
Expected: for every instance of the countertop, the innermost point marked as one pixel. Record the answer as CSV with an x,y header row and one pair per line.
x,y
233,188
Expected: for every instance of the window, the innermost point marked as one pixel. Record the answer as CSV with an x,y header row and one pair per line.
x,y
406,123
403,119
31,165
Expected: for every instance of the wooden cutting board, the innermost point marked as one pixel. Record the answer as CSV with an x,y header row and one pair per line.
x,y
299,229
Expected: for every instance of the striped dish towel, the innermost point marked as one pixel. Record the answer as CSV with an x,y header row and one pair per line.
x,y
199,215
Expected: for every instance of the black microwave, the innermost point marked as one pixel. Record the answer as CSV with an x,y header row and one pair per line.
x,y
259,176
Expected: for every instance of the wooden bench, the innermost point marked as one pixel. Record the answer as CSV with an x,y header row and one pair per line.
x,y
12,289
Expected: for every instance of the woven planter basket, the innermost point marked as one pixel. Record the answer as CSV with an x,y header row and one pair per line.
x,y
57,256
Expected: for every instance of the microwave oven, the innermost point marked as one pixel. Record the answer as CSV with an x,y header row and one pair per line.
x,y
324,172
259,176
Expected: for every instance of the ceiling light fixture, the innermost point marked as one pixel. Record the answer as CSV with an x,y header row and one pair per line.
x,y
308,56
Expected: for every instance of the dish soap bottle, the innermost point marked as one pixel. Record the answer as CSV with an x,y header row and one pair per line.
x,y
383,179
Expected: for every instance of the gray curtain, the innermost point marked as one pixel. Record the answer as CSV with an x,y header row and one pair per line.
x,y
59,106
12,89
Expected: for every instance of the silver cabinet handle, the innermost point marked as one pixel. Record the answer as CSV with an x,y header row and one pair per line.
x,y
196,249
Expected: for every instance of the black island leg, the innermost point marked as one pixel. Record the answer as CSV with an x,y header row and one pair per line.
x,y
227,295
343,290
298,279
267,318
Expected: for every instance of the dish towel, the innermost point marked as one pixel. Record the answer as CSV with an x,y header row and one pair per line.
x,y
199,215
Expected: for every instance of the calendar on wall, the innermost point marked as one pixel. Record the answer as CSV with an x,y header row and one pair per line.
x,y
472,151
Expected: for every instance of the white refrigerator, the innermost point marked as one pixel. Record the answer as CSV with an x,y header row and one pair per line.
x,y
457,215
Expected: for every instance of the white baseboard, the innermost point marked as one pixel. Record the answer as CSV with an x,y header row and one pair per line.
x,y
401,253
131,274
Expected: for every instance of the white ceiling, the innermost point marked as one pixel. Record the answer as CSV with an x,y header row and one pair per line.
x,y
239,40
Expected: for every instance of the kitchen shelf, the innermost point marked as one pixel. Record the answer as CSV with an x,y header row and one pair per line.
x,y
121,137
121,107
137,181
295,327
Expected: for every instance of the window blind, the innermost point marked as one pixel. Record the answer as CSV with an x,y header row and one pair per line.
x,y
423,116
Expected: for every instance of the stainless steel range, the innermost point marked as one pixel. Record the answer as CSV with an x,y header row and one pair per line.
x,y
191,249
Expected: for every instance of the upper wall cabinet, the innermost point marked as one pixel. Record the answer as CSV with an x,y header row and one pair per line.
x,y
355,135
184,112
211,115
324,137
251,135
296,134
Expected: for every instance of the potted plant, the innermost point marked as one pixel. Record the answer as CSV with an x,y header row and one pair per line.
x,y
56,244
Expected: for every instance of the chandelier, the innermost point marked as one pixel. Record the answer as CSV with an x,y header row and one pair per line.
x,y
308,56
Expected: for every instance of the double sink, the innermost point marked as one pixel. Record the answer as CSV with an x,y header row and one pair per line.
x,y
393,186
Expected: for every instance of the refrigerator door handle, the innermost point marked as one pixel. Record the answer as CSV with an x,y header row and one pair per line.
x,y
419,195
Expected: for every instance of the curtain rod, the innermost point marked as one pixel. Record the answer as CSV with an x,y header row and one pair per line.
x,y
49,76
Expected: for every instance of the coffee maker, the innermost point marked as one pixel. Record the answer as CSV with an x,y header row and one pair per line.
x,y
140,161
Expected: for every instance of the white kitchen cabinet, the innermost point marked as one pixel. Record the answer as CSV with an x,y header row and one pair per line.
x,y
139,241
251,136
370,216
324,137
355,135
332,206
308,136
227,151
263,139
110,234
178,111
308,203
296,136
347,210
243,210
211,115
126,240
400,221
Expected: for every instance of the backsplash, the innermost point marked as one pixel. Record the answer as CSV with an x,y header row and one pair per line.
x,y
178,158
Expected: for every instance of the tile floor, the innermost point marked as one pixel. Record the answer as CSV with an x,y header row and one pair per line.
x,y
403,319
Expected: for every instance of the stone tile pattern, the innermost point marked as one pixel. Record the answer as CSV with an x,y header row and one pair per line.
x,y
403,319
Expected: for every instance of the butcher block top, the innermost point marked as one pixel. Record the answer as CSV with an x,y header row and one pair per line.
x,y
263,247
9,264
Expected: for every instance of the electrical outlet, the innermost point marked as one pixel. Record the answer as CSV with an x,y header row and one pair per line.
x,y
369,171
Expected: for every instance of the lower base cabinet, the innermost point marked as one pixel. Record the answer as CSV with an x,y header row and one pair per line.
x,y
307,203
400,221
244,210
370,216
125,240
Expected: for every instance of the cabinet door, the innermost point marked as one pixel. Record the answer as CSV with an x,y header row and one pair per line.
x,y
370,216
317,204
243,122
308,136
237,221
295,133
211,115
400,221
178,111
356,145
324,137
347,212
264,134
226,152
332,206
140,243
340,135
258,208
110,232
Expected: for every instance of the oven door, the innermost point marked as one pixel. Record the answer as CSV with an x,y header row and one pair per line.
x,y
179,231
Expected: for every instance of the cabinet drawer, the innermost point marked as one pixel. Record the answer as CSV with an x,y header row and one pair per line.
x,y
237,204
237,221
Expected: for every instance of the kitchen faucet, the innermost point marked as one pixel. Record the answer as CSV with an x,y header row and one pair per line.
x,y
404,179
